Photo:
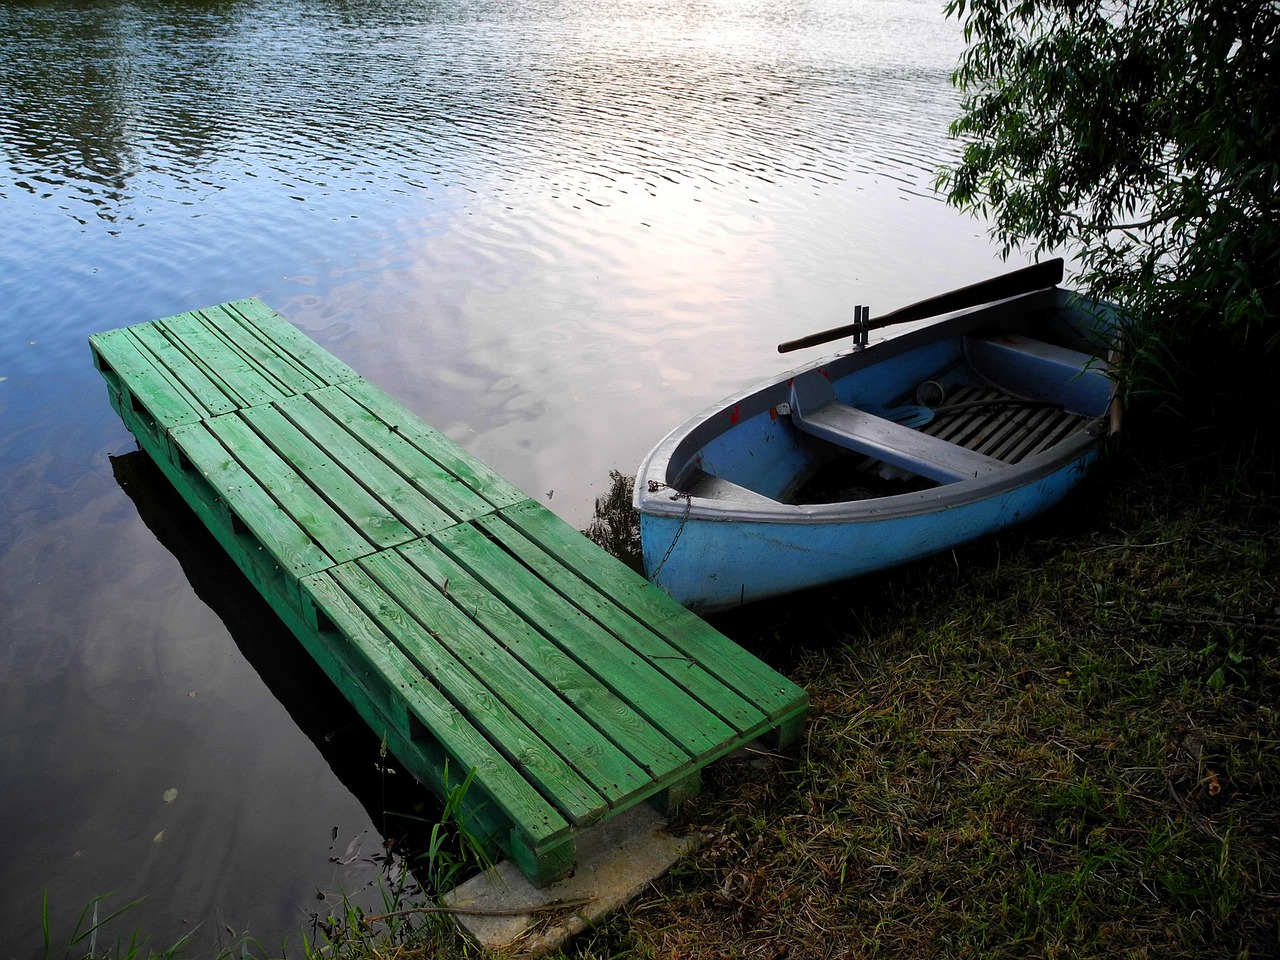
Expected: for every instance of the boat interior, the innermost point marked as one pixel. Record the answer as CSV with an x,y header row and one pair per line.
x,y
959,408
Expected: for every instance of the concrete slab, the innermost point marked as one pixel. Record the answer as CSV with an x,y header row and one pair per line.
x,y
616,861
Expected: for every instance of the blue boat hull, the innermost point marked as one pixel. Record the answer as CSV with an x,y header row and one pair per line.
x,y
710,565
724,517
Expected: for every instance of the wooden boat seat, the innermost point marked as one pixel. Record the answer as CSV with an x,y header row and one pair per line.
x,y
1026,367
815,410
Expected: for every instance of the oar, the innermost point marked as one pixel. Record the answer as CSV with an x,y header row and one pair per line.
x,y
1035,277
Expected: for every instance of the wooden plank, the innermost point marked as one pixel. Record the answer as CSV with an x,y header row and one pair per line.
x,y
203,394
616,719
1003,430
233,372
286,340
275,577
335,480
252,505
639,669
687,633
477,477
579,744
273,366
1032,424
517,799
137,374
311,414
895,444
953,427
434,666
291,492
696,676
444,488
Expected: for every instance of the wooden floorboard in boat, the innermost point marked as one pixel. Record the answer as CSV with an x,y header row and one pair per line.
x,y
1004,427
472,628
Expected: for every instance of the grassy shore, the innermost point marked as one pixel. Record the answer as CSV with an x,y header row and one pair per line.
x,y
1062,742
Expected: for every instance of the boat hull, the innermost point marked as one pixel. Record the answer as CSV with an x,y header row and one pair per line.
x,y
715,564
726,518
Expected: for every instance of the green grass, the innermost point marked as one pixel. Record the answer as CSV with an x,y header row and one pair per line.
x,y
1059,743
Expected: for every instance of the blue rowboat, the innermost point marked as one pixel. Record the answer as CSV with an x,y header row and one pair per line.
x,y
885,454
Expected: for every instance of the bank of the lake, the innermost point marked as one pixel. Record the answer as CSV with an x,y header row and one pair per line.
x,y
1058,742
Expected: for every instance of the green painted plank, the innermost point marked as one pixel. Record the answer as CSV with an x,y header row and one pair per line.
x,y
431,479
753,679
609,772
337,482
234,374
644,743
389,485
510,791
439,669
310,511
263,569
476,475
138,374
290,545
202,392
304,352
698,677
636,676
271,364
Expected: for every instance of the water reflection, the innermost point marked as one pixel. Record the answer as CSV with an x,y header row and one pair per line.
x,y
108,103
398,807
553,228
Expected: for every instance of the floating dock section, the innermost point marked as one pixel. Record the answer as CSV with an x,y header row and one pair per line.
x,y
473,629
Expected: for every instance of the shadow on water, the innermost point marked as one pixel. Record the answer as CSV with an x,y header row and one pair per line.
x,y
398,805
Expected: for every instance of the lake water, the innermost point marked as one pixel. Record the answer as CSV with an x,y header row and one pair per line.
x,y
552,229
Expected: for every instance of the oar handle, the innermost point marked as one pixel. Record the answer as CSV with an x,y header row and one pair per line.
x,y
1038,276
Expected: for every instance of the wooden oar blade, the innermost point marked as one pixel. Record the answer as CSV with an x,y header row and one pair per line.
x,y
1038,276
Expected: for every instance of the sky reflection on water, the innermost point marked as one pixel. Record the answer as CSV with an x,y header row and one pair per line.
x,y
554,230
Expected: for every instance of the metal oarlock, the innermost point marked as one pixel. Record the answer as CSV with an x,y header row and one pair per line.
x,y
861,328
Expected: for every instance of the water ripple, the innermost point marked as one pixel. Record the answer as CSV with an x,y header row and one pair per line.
x,y
313,105
554,228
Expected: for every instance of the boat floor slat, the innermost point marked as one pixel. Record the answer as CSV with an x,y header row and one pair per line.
x,y
1003,427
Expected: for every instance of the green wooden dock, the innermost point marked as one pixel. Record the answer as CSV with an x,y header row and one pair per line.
x,y
466,623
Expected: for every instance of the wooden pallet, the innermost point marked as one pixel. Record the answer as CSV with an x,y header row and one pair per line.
x,y
469,626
